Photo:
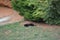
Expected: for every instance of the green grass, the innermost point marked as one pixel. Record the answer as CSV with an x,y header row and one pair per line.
x,y
19,32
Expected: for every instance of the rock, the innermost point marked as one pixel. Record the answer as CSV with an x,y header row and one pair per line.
x,y
6,3
8,16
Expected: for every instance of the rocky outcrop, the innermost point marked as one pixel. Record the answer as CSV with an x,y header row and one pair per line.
x,y
6,3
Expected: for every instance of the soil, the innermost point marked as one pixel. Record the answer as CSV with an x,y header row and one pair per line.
x,y
40,24
15,17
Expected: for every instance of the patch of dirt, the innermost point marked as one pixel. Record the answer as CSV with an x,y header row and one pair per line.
x,y
8,32
40,24
15,17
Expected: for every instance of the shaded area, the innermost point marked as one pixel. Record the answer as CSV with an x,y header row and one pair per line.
x,y
30,24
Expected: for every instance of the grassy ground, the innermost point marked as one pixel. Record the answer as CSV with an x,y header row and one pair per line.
x,y
19,32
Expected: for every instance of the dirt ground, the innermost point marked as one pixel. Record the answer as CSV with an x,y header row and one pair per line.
x,y
15,17
40,24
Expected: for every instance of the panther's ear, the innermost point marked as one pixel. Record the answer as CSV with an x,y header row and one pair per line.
x,y
6,3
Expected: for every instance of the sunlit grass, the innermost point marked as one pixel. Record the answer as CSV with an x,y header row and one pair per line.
x,y
19,32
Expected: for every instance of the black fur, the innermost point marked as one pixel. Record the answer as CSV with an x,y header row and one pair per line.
x,y
27,25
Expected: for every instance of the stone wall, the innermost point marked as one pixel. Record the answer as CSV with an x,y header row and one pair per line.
x,y
6,3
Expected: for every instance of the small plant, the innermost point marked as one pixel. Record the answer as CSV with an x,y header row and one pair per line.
x,y
35,10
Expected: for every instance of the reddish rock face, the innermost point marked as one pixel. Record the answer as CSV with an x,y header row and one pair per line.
x,y
4,11
8,15
6,3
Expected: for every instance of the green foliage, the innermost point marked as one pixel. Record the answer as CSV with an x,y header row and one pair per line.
x,y
53,16
35,10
